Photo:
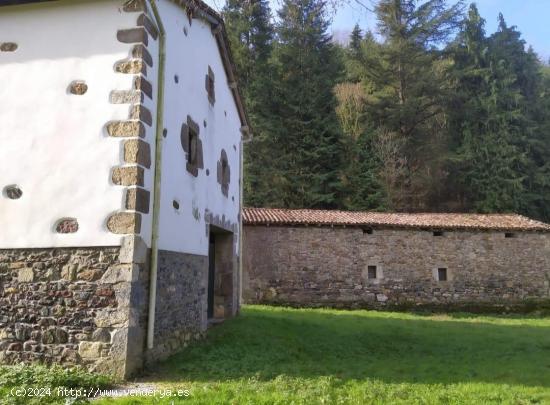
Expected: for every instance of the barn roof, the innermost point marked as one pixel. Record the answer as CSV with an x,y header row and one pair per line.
x,y
202,10
304,217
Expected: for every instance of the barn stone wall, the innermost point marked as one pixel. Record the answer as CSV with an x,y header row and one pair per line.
x,y
316,266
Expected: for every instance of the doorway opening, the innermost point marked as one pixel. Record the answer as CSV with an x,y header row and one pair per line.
x,y
221,260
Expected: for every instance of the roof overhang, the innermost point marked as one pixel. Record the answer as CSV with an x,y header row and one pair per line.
x,y
197,9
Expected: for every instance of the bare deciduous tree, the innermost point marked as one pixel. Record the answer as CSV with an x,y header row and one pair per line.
x,y
390,147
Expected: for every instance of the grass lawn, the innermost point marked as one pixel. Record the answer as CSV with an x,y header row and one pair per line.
x,y
287,356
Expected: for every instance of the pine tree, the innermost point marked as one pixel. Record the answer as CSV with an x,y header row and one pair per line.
x,y
251,34
492,119
406,79
356,38
308,140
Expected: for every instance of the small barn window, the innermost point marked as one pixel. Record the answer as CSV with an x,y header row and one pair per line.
x,y
210,86
442,274
192,145
367,231
224,173
509,235
438,233
372,272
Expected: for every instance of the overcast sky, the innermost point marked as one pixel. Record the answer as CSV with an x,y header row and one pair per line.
x,y
532,18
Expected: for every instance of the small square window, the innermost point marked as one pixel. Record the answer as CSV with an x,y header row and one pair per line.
x,y
372,272
367,231
211,86
509,235
438,233
192,146
442,274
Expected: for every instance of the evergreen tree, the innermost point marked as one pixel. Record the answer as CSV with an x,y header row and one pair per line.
x,y
407,83
493,119
356,38
307,135
251,34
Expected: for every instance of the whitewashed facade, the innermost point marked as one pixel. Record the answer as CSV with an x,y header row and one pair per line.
x,y
90,89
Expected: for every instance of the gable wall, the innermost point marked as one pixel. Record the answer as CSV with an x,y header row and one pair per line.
x,y
200,198
55,145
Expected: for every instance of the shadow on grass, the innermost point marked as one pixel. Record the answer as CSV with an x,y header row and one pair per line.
x,y
354,345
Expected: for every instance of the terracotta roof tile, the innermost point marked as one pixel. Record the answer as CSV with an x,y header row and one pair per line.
x,y
502,222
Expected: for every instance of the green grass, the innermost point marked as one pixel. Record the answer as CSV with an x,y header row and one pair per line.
x,y
287,356
24,384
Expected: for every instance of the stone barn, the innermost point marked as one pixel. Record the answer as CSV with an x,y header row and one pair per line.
x,y
120,173
380,260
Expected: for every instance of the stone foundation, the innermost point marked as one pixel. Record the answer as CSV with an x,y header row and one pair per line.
x,y
88,306
72,306
313,266
181,305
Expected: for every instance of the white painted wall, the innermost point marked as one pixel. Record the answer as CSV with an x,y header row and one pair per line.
x,y
189,57
53,144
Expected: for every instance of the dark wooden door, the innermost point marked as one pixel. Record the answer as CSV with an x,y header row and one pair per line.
x,y
211,274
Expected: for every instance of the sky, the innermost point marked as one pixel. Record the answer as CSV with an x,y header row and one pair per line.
x,y
530,16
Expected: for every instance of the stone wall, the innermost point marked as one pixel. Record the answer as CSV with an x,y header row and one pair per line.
x,y
73,306
316,266
181,303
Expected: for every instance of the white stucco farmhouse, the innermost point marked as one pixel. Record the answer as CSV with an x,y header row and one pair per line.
x,y
121,131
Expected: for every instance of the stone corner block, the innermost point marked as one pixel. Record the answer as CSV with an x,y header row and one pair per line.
x,y
128,176
133,6
123,273
138,152
133,250
138,199
90,350
133,36
125,129
124,223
